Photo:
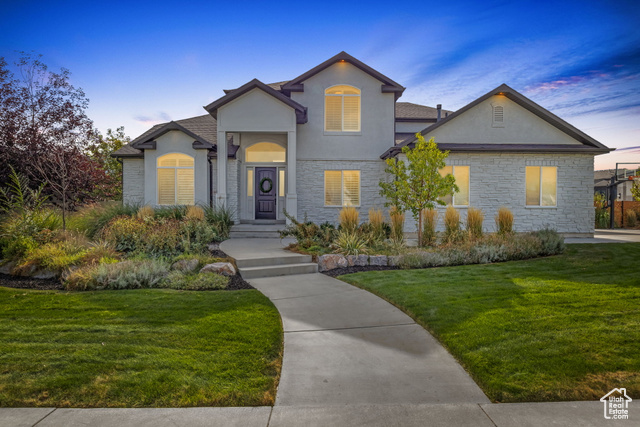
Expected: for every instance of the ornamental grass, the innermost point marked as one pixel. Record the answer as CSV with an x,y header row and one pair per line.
x,y
349,219
194,213
475,218
452,224
504,221
397,224
429,222
145,212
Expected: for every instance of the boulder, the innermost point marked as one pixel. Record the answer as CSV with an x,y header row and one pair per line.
x,y
393,261
224,268
357,260
43,273
213,247
6,267
378,260
331,261
185,265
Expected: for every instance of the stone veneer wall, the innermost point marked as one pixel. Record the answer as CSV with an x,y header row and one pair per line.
x,y
499,180
133,181
310,188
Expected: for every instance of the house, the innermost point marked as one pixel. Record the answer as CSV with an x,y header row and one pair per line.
x,y
318,142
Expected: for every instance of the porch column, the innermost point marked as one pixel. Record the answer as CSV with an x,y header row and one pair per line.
x,y
221,196
292,195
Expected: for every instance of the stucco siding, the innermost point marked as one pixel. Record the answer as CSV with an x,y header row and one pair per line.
x,y
520,126
133,181
377,117
256,111
311,188
499,180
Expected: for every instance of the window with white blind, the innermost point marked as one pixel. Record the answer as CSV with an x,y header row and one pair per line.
x,y
341,188
342,109
175,180
541,185
462,176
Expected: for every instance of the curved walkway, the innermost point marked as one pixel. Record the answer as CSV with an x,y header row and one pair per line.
x,y
344,345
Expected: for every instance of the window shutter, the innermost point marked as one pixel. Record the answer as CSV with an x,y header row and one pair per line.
x,y
332,188
352,113
351,188
166,186
333,113
185,186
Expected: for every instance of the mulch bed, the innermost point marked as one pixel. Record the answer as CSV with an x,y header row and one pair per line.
x,y
357,269
30,283
237,283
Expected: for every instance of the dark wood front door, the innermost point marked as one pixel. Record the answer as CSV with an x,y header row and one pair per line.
x,y
265,192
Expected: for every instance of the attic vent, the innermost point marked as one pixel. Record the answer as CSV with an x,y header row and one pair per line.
x,y
498,116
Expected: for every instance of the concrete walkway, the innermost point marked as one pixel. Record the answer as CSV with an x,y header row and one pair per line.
x,y
608,236
344,345
584,414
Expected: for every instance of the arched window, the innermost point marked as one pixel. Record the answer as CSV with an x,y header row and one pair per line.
x,y
342,109
175,180
265,152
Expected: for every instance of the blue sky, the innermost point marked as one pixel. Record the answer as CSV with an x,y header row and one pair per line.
x,y
142,63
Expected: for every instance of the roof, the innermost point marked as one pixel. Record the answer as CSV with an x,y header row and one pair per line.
x,y
408,111
589,144
202,128
277,86
388,85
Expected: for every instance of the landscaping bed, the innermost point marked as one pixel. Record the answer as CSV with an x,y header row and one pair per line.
x,y
558,328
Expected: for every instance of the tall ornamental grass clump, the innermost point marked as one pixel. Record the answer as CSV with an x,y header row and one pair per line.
x,y
349,219
376,222
429,223
475,218
397,224
452,225
504,221
630,218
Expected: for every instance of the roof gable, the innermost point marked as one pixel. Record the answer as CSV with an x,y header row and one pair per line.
x,y
587,143
147,140
301,111
388,85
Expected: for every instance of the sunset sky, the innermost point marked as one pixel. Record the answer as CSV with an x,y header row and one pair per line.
x,y
142,63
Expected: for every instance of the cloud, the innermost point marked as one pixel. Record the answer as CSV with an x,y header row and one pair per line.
x,y
149,120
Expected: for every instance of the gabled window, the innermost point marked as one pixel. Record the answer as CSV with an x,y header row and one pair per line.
x,y
341,188
541,185
342,109
461,174
175,180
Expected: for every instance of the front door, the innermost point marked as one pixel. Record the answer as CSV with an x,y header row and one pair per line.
x,y
265,192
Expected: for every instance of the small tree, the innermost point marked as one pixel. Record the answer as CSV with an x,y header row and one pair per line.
x,y
418,184
100,151
635,189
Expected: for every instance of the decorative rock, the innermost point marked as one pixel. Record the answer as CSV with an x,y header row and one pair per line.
x,y
378,260
331,261
214,247
185,265
45,274
393,261
7,267
224,268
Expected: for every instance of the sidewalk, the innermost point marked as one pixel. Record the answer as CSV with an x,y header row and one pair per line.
x,y
583,414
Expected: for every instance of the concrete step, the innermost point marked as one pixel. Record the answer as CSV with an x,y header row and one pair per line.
x,y
254,234
278,270
275,260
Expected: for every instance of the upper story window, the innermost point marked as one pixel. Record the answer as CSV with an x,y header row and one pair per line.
x,y
342,109
175,180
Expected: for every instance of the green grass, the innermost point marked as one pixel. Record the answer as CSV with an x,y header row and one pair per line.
x,y
551,329
138,348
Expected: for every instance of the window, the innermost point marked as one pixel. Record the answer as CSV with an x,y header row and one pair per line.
x,y
541,185
342,109
498,116
175,180
342,188
250,182
281,183
265,152
461,174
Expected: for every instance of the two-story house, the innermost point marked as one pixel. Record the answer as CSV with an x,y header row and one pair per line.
x,y
318,142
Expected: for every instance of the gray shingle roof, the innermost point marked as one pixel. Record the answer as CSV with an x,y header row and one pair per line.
x,y
409,110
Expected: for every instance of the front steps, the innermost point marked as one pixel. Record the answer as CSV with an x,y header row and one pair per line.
x,y
252,231
270,266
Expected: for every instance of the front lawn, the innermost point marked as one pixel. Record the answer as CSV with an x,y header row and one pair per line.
x,y
559,328
138,348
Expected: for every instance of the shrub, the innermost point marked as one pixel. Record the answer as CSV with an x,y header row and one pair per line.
x,y
221,218
164,238
126,234
91,219
195,281
452,232
429,222
55,256
551,242
602,214
197,235
504,221
122,275
145,213
170,212
24,231
350,243
630,218
475,218
397,224
307,233
194,213
349,219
